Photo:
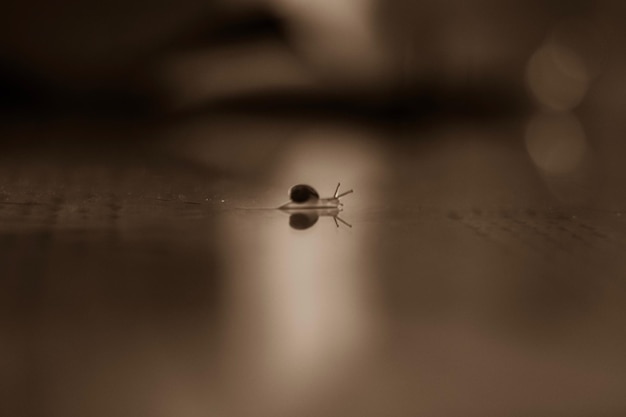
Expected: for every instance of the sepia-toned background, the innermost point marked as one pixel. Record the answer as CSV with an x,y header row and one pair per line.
x,y
478,268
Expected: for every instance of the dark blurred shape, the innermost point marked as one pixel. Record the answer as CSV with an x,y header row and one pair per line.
x,y
232,28
18,90
303,221
26,94
393,61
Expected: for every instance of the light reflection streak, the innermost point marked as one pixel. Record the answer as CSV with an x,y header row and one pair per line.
x,y
299,315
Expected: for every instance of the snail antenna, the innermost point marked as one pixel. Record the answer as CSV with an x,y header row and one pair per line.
x,y
342,221
344,194
337,190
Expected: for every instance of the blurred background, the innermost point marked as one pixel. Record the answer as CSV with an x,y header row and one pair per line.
x,y
480,269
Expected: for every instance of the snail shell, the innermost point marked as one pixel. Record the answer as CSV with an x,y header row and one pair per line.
x,y
304,196
303,193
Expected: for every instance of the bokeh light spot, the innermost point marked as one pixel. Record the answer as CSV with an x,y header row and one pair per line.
x,y
556,143
557,77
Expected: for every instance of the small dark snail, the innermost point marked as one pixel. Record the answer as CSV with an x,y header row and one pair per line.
x,y
304,197
306,206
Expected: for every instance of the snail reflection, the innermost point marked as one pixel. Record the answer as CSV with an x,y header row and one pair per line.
x,y
306,207
302,220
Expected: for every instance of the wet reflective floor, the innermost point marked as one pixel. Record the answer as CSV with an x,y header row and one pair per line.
x,y
161,280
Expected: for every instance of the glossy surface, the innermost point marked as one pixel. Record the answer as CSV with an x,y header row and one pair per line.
x,y
137,281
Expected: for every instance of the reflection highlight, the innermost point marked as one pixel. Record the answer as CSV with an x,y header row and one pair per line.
x,y
298,318
301,320
305,219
